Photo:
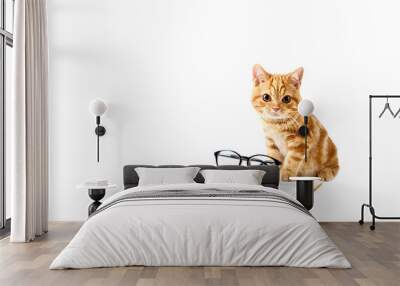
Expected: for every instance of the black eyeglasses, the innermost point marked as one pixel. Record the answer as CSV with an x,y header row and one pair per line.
x,y
230,157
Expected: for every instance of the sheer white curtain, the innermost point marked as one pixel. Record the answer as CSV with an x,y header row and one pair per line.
x,y
28,123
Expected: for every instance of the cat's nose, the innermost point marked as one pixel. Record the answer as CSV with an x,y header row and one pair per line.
x,y
276,109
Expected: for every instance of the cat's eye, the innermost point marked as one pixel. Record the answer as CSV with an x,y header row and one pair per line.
x,y
266,97
286,99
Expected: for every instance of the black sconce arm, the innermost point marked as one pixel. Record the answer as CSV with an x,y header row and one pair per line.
x,y
303,131
100,131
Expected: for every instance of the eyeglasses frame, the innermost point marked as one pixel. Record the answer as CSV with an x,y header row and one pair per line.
x,y
242,158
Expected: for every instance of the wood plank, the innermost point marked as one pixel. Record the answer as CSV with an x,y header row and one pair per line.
x,y
375,257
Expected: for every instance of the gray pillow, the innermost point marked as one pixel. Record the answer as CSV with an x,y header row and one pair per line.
x,y
165,176
248,177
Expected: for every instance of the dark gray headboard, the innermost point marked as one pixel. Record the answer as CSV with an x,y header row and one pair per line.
x,y
271,177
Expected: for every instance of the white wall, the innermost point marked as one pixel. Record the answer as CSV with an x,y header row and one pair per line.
x,y
177,78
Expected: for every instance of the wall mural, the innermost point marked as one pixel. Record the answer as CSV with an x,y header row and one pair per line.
x,y
276,97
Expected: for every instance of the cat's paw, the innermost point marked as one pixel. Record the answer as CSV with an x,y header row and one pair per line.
x,y
285,174
327,174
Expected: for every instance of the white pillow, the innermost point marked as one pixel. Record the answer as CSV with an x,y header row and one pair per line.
x,y
165,176
248,177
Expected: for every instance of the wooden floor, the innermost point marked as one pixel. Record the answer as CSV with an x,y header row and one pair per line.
x,y
375,257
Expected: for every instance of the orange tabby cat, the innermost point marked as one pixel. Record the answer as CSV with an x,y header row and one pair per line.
x,y
275,98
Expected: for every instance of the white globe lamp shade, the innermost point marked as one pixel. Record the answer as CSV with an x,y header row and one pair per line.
x,y
97,107
306,107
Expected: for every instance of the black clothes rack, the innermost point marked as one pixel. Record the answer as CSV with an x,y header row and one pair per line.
x,y
370,205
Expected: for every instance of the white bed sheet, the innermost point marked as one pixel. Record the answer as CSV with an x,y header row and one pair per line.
x,y
199,231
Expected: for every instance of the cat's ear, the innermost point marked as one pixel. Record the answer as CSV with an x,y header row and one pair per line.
x,y
297,76
259,74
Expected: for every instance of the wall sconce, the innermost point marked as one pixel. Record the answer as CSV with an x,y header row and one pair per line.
x,y
97,107
305,108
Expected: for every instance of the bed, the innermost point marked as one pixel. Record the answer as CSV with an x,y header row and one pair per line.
x,y
199,224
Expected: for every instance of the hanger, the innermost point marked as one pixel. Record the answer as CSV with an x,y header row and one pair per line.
x,y
397,113
387,107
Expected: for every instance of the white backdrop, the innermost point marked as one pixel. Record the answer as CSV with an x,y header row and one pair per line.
x,y
176,76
